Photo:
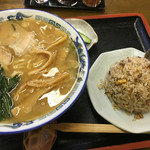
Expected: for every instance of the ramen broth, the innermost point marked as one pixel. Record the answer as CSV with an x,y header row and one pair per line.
x,y
46,61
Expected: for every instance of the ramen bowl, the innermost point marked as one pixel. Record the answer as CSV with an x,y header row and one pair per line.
x,y
83,67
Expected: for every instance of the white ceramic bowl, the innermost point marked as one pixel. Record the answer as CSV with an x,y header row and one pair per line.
x,y
85,28
83,73
100,101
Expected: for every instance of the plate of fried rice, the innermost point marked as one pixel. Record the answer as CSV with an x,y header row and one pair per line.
x,y
119,89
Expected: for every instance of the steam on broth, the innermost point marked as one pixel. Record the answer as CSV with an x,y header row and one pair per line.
x,y
46,61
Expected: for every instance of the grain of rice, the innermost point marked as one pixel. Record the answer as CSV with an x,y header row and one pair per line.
x,y
127,84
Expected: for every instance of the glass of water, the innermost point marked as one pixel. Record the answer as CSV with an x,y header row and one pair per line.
x,y
41,1
68,2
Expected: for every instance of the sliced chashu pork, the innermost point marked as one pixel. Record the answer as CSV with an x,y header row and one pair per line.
x,y
16,37
5,57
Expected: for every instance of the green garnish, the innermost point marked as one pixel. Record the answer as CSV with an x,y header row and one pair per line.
x,y
13,26
86,39
13,82
6,87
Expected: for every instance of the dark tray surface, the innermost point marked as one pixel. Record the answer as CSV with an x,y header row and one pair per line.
x,y
55,4
113,33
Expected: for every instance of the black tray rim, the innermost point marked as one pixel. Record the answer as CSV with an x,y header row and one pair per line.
x,y
100,7
122,15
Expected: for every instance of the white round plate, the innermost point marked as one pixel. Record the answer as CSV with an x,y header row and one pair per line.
x,y
101,102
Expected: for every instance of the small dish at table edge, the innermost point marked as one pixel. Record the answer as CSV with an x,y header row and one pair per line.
x,y
85,28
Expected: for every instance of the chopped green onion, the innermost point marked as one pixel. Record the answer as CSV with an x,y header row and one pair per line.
x,y
13,26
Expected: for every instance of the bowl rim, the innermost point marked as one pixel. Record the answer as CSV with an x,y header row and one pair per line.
x,y
16,131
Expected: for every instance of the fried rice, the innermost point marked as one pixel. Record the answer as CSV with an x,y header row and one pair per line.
x,y
127,84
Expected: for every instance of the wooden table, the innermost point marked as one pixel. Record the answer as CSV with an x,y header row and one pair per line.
x,y
112,7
